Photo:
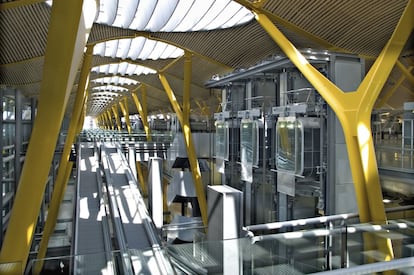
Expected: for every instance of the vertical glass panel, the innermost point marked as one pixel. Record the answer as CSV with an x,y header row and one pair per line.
x,y
26,111
222,140
289,145
249,141
8,108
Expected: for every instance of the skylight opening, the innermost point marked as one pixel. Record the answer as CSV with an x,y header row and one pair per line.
x,y
137,48
123,68
110,88
116,80
172,15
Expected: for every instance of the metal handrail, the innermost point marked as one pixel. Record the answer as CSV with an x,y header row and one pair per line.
x,y
315,220
371,268
300,222
163,264
116,217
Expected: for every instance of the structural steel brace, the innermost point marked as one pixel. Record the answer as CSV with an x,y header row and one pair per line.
x,y
142,109
183,116
381,102
66,42
111,123
65,166
354,110
406,71
118,120
125,112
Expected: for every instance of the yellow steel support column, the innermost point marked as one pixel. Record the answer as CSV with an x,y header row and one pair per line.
x,y
82,115
111,123
67,38
405,71
65,166
127,115
98,121
101,121
142,109
384,99
125,112
142,178
354,110
108,120
187,87
191,153
118,120
204,109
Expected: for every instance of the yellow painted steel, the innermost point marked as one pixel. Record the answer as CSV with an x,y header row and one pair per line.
x,y
204,109
109,116
167,216
125,112
187,86
16,4
107,120
64,50
142,178
127,115
142,110
104,122
118,120
65,166
82,116
406,72
354,110
380,103
191,153
257,6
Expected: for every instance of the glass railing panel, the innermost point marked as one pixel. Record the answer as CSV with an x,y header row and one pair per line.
x,y
239,256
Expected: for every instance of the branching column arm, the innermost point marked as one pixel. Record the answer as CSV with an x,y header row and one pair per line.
x,y
191,153
65,45
126,114
118,120
64,165
353,110
109,115
406,71
142,109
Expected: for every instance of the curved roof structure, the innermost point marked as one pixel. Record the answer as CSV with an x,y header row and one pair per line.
x,y
137,39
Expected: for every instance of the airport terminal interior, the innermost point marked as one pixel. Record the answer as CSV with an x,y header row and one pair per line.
x,y
207,137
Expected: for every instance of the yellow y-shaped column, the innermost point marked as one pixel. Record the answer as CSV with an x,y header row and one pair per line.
x,y
125,112
67,38
384,99
354,111
118,120
107,120
83,115
109,116
65,166
406,71
183,116
142,109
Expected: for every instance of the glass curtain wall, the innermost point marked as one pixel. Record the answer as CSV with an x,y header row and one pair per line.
x,y
16,125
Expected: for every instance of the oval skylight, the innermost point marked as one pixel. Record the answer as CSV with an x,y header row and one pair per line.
x,y
103,93
172,15
110,88
137,48
123,68
116,80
